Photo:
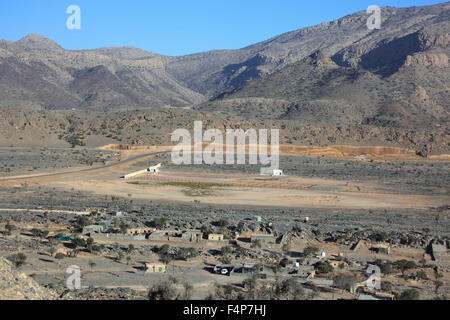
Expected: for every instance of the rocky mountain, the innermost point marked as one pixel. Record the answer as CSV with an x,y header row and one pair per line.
x,y
397,77
337,72
347,40
37,73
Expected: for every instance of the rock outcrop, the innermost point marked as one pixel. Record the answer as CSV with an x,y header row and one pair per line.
x,y
15,285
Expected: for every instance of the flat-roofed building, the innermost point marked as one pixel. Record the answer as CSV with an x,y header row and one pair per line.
x,y
264,238
215,237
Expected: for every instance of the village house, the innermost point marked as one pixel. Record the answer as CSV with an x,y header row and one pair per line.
x,y
264,238
106,224
192,236
162,234
92,229
119,214
215,237
137,231
155,267
176,235
338,264
382,248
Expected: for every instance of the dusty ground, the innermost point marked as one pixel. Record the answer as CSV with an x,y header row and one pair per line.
x,y
243,188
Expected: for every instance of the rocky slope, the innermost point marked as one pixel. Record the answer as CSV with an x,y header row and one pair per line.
x,y
347,40
154,127
15,285
396,76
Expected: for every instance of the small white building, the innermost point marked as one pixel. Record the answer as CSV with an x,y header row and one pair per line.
x,y
154,169
119,214
277,173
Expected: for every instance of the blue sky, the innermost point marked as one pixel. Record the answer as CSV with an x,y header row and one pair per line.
x,y
173,27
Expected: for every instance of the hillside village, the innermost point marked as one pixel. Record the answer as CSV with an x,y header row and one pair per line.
x,y
225,255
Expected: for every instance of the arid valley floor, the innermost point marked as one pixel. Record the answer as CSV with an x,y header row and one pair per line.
x,y
343,206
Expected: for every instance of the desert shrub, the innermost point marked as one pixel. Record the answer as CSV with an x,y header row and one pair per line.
x,y
410,294
17,259
256,243
9,228
75,140
186,254
344,282
60,256
324,267
226,250
385,267
123,228
386,286
380,236
404,265
422,275
159,222
163,291
221,223
39,233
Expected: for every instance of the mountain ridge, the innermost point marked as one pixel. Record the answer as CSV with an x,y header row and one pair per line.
x,y
35,72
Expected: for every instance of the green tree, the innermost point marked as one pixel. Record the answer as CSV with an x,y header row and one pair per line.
x,y
186,253
82,221
310,251
159,222
123,228
404,265
78,242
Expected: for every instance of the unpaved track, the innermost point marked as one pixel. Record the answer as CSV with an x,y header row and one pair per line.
x,y
108,166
